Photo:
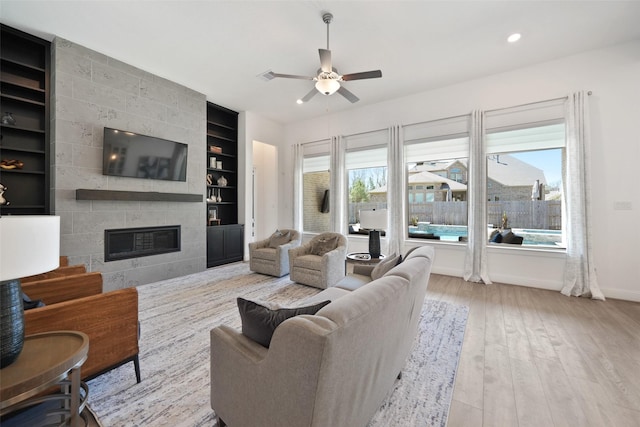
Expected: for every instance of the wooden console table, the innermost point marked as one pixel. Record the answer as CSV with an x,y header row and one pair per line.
x,y
47,359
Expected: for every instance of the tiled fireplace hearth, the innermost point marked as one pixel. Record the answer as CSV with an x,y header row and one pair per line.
x,y
127,243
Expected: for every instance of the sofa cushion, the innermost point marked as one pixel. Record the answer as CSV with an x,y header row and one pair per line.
x,y
384,266
351,282
279,238
259,322
323,245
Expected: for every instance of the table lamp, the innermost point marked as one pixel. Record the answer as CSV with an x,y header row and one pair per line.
x,y
29,244
374,221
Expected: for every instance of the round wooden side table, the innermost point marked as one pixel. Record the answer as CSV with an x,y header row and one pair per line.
x,y
47,359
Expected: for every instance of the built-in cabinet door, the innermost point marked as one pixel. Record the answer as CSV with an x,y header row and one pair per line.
x,y
215,246
225,244
234,242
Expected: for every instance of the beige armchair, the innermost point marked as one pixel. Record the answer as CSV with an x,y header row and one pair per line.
x,y
271,256
320,262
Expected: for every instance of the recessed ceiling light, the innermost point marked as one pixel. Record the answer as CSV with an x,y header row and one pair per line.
x,y
514,37
299,101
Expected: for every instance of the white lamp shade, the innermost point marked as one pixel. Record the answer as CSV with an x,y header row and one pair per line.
x,y
374,219
29,244
327,86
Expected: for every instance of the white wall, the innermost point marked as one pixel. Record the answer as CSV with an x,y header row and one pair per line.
x,y
265,166
612,75
253,127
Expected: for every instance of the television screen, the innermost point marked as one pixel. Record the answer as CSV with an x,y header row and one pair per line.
x,y
139,156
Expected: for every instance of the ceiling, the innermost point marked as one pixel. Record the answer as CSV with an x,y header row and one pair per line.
x,y
220,47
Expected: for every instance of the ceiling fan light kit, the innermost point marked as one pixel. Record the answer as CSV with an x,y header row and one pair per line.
x,y
327,86
328,80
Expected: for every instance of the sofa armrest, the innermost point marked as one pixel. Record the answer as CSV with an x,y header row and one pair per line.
x,y
244,375
110,320
364,270
53,291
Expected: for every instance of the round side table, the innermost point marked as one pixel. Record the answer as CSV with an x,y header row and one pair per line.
x,y
362,258
47,359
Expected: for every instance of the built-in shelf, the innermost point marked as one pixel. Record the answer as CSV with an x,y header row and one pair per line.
x,y
25,62
138,196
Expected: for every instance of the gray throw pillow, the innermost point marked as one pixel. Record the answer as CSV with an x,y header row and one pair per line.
x,y
260,322
279,238
384,266
323,245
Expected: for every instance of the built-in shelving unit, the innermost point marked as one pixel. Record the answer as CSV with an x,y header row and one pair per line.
x,y
24,92
225,237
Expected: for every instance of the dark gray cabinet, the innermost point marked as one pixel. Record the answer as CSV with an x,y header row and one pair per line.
x,y
225,244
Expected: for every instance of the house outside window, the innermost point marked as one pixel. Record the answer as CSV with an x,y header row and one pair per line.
x,y
432,151
524,182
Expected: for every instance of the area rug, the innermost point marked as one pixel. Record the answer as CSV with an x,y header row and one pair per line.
x,y
176,316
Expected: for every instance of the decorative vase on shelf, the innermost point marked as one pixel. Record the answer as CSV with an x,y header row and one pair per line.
x,y
7,119
222,181
219,198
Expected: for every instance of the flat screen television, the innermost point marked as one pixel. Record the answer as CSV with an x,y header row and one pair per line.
x,y
140,156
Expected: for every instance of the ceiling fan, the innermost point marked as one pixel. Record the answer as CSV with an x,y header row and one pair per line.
x,y
328,81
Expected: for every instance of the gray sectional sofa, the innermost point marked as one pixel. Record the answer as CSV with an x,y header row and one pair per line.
x,y
334,368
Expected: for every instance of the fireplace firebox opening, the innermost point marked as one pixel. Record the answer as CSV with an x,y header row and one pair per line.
x,y
124,243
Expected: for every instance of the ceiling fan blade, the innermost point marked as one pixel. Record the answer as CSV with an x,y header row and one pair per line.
x,y
364,75
270,75
310,95
325,60
350,96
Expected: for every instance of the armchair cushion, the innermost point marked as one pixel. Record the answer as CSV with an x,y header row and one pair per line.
x,y
323,245
279,238
260,322
265,253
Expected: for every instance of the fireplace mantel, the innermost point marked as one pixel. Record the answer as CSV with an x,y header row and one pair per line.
x,y
142,196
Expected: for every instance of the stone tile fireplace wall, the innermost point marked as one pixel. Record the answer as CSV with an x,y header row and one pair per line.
x,y
91,91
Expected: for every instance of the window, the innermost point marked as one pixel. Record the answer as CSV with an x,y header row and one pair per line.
x,y
366,168
436,203
316,180
524,182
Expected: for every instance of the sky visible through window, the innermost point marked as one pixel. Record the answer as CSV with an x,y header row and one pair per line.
x,y
550,161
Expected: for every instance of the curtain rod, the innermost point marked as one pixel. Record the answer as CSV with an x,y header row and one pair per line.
x,y
531,103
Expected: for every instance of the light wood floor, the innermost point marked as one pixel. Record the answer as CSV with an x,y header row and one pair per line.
x,y
537,358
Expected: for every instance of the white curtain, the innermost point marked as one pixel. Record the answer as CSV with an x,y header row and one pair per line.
x,y
580,276
395,184
298,158
475,265
337,197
